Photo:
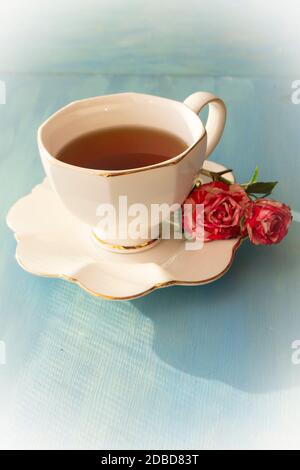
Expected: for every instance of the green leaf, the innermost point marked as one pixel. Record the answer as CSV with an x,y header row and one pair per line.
x,y
217,176
254,176
261,187
224,180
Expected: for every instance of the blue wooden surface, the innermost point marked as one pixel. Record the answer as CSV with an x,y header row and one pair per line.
x,y
185,367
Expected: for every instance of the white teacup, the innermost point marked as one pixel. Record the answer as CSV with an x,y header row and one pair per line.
x,y
84,190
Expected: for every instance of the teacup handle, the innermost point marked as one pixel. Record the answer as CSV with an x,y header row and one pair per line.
x,y
216,116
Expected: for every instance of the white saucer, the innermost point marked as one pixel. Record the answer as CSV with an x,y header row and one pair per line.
x,y
51,242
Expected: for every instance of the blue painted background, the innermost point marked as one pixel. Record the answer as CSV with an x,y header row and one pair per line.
x,y
185,367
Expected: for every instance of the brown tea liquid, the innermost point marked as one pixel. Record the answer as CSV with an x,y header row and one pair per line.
x,y
121,148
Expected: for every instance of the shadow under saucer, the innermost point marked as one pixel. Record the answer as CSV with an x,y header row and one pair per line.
x,y
240,329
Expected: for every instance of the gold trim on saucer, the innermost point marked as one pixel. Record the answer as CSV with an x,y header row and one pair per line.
x,y
141,294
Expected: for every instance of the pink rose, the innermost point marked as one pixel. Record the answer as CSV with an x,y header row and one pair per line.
x,y
224,207
267,221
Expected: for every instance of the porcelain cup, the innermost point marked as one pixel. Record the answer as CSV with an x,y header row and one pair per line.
x,y
84,190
